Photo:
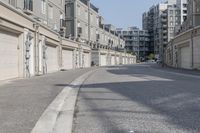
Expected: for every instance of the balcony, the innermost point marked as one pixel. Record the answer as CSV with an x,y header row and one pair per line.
x,y
28,7
164,37
164,31
164,20
164,26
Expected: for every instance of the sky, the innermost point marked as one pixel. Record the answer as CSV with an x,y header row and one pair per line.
x,y
124,13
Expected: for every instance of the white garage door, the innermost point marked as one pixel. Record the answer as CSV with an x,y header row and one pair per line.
x,y
185,57
52,58
103,60
86,60
112,60
123,60
117,60
8,56
67,59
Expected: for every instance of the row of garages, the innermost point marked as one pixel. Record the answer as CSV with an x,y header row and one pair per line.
x,y
101,57
184,50
26,54
28,48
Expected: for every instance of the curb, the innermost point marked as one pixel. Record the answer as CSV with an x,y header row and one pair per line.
x,y
58,117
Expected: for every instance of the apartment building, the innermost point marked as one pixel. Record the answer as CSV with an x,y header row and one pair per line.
x,y
182,5
163,21
136,41
154,26
193,15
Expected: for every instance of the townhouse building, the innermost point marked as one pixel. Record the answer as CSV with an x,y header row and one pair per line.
x,y
48,12
32,38
86,25
35,40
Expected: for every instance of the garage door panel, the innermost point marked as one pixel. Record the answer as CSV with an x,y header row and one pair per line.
x,y
8,56
67,59
87,60
103,60
52,58
112,60
185,57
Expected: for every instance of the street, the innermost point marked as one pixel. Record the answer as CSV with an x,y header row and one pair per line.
x,y
138,99
22,102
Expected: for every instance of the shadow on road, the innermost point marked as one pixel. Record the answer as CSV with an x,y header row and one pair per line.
x,y
176,99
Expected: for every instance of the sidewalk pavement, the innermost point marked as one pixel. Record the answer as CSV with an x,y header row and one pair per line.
x,y
22,102
176,70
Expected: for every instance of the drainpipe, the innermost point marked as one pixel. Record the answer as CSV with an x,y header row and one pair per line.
x,y
89,24
60,60
192,35
36,48
75,19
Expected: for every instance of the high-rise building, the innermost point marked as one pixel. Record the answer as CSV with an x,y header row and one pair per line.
x,y
162,21
136,41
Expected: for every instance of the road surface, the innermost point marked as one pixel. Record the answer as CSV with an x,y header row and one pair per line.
x,y
138,99
22,102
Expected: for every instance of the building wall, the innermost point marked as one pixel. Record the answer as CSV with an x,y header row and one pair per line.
x,y
189,41
81,13
56,8
36,41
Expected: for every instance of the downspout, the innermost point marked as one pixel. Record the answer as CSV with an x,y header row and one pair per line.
x,y
36,49
89,24
192,33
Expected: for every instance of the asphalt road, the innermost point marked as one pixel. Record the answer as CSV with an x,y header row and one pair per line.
x,y
138,99
22,102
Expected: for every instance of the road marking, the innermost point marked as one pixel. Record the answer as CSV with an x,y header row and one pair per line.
x,y
58,117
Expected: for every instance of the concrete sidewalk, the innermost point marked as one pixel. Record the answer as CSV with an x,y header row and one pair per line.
x,y
176,70
22,102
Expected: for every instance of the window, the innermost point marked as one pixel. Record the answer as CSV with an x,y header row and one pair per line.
x,y
86,14
12,2
86,29
50,11
97,20
185,5
61,2
43,6
79,10
28,5
171,18
91,18
177,12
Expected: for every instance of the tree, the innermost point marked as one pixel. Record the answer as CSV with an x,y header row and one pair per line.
x,y
151,56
